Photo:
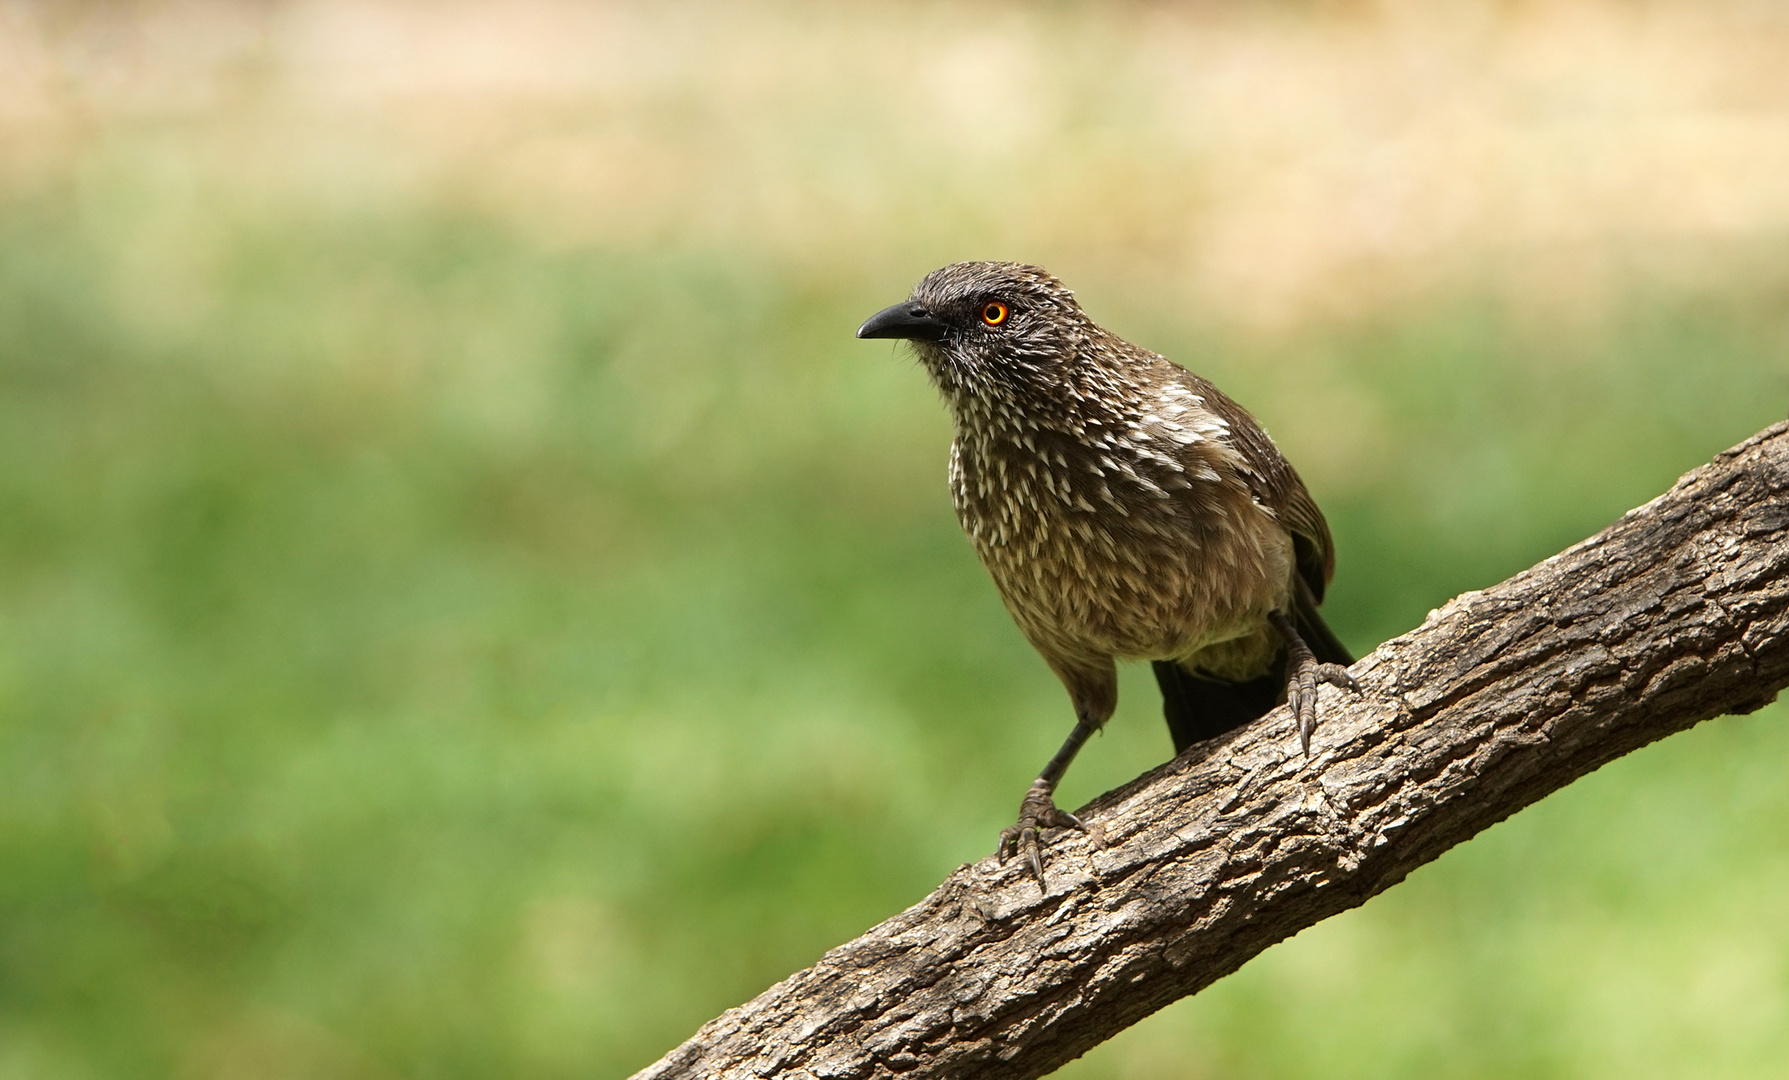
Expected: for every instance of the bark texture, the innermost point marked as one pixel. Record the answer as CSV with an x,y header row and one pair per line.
x,y
1674,614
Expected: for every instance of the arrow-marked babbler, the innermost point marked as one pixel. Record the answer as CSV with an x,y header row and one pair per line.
x,y
1126,509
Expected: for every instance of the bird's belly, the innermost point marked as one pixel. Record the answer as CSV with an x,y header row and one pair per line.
x,y
1084,586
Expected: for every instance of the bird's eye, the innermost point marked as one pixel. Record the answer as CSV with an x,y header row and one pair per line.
x,y
994,313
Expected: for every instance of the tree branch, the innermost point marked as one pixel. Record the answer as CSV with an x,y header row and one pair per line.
x,y
1674,614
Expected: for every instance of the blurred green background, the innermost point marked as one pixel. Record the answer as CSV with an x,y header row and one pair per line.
x,y
469,608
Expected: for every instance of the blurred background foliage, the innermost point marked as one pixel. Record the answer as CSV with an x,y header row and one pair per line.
x,y
468,607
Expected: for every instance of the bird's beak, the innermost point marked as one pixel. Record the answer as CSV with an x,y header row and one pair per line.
x,y
904,320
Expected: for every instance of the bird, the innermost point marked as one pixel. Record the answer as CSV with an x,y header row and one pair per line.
x,y
1126,509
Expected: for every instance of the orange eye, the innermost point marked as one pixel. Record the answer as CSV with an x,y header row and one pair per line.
x,y
994,313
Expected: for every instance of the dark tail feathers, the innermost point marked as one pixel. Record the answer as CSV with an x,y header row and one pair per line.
x,y
1198,708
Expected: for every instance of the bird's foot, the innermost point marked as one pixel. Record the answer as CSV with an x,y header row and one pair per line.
x,y
1036,813
1301,693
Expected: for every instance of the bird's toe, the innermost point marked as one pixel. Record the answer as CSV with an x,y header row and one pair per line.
x,y
1301,694
1037,813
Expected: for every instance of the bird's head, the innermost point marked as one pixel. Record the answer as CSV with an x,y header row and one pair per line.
x,y
988,328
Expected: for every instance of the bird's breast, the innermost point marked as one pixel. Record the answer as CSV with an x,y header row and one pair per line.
x,y
1118,548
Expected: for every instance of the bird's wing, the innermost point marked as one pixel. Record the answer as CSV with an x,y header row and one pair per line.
x,y
1197,706
1274,484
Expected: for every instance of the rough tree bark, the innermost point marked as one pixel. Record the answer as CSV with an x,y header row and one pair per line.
x,y
1674,614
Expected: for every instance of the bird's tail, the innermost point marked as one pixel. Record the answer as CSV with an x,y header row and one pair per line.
x,y
1199,707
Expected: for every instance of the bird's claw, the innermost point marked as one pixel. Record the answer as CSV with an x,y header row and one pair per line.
x,y
1301,694
1036,813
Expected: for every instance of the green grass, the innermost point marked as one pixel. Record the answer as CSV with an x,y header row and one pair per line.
x,y
425,653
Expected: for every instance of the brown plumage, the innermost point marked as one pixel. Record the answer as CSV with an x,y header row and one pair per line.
x,y
1125,508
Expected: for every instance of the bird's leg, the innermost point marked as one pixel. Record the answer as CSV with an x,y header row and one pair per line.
x,y
1038,810
1092,684
1303,673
